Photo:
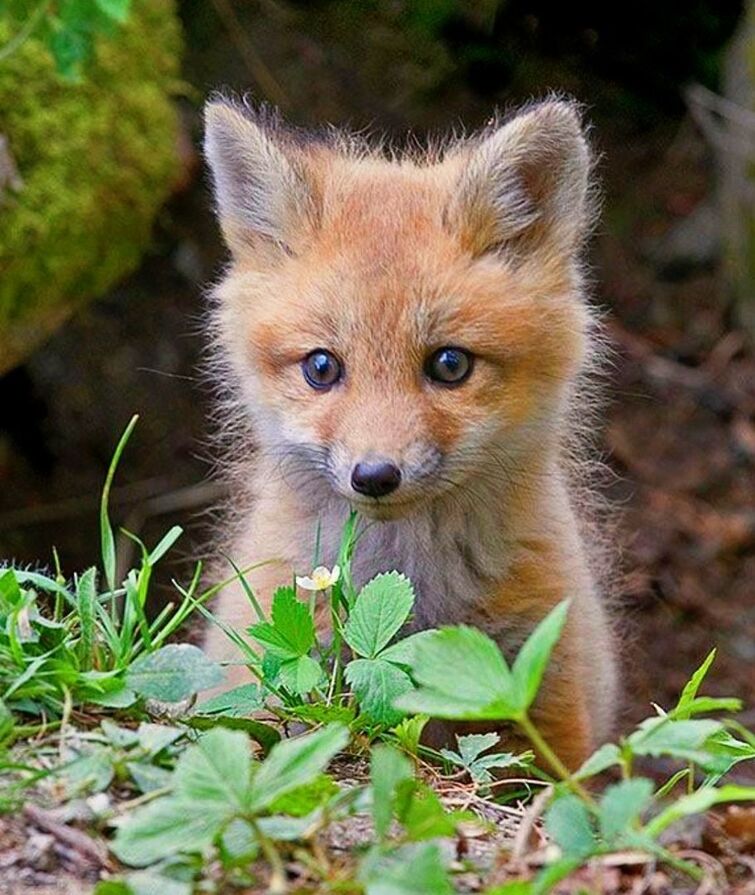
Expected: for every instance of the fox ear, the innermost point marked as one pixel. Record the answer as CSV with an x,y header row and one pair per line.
x,y
525,184
262,192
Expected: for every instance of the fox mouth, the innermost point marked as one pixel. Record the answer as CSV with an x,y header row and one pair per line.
x,y
381,509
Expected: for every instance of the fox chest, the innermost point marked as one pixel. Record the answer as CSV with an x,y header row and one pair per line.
x,y
454,567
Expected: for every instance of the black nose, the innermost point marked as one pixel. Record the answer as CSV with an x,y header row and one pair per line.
x,y
375,478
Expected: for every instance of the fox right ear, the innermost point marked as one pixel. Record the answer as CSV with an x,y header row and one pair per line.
x,y
262,191
525,183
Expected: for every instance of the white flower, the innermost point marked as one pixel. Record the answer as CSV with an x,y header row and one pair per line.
x,y
321,578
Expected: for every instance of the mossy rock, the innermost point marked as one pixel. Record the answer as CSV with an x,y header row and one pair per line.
x,y
736,163
96,161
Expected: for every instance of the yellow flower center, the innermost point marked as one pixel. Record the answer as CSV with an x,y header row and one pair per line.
x,y
322,578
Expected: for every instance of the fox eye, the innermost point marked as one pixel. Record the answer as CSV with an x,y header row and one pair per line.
x,y
321,369
449,366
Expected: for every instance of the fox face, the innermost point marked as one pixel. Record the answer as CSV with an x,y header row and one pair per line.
x,y
402,329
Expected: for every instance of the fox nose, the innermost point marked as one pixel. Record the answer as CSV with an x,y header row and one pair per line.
x,y
375,478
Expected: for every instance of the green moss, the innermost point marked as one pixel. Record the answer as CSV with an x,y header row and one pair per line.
x,y
97,160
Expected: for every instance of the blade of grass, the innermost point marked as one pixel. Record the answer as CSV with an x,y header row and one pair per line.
x,y
189,602
247,590
136,596
107,540
86,600
166,542
44,582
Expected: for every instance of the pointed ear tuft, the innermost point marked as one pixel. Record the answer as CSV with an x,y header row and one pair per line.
x,y
261,187
525,183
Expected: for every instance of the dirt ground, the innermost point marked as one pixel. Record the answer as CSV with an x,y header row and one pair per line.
x,y
680,438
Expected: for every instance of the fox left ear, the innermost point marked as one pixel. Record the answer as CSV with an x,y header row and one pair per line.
x,y
263,188
525,184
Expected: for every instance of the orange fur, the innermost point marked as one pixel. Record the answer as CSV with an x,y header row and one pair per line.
x,y
382,261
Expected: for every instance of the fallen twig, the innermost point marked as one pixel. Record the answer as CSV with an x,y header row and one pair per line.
x,y
70,836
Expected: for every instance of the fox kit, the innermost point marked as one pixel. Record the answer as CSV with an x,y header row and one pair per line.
x,y
404,335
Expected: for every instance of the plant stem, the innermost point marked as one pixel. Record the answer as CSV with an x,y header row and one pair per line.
x,y
277,872
333,679
542,747
67,709
25,732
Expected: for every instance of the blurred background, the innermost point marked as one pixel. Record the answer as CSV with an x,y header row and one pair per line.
x,y
107,243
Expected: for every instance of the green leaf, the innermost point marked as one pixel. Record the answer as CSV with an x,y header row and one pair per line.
x,y
462,675
288,829
300,675
681,711
377,684
414,869
382,607
120,698
266,735
121,737
236,703
112,887
214,773
117,10
39,581
470,756
409,732
7,722
238,844
165,544
568,824
320,713
603,758
422,814
622,805
292,763
704,704
388,768
10,592
665,789
292,631
173,673
513,887
305,799
149,882
210,782
148,777
91,772
153,738
698,802
723,751
404,652
86,597
166,827
532,659
474,744
685,740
